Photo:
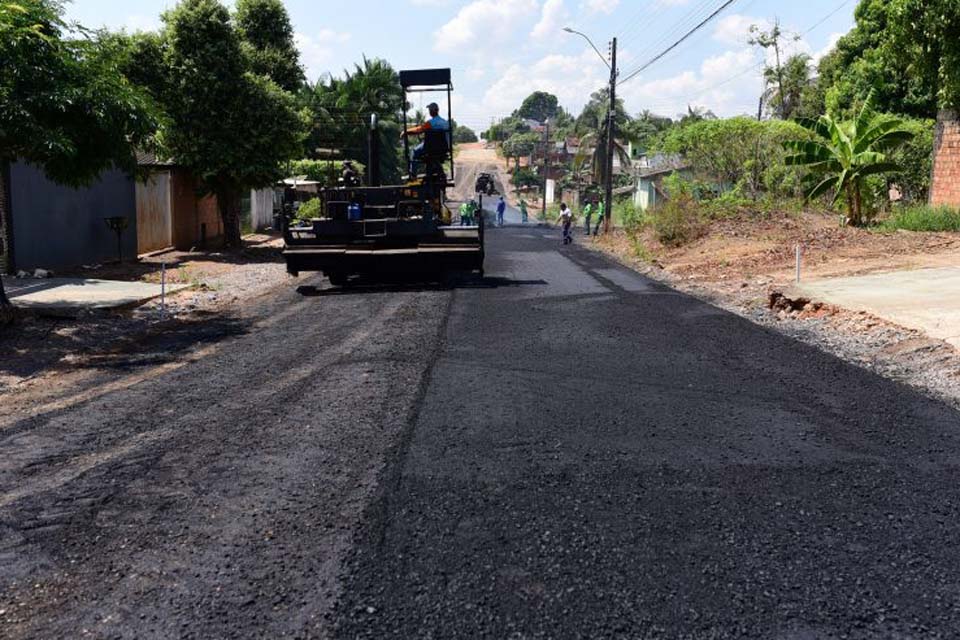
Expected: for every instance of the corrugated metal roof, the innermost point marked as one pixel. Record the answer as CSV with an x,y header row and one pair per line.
x,y
150,159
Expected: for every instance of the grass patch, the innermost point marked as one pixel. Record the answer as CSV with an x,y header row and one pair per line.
x,y
922,218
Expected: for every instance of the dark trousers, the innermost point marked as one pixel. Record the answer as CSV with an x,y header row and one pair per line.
x,y
596,229
587,223
567,239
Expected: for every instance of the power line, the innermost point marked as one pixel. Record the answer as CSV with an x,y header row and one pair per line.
x,y
676,44
667,34
828,16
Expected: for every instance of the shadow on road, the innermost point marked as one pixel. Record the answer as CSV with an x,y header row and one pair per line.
x,y
362,286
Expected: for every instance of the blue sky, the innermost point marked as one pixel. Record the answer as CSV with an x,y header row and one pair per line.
x,y
501,50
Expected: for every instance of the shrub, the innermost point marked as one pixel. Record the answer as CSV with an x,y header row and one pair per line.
x,y
915,159
676,221
309,209
922,218
627,214
739,151
325,171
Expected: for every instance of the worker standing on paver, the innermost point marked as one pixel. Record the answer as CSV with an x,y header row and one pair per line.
x,y
587,214
566,219
523,211
501,207
600,214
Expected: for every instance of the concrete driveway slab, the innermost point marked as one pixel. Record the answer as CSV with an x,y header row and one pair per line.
x,y
924,299
75,294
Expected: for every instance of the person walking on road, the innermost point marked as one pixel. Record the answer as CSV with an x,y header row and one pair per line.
x,y
587,214
501,207
523,211
600,214
566,219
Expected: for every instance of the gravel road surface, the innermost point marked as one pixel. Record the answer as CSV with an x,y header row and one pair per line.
x,y
563,450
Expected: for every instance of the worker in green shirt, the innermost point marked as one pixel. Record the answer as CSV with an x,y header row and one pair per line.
x,y
475,212
523,211
465,214
587,214
596,229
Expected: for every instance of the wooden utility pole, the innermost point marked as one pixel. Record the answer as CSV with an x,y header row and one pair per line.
x,y
611,133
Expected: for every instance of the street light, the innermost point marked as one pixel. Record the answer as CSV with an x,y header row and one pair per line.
x,y
611,124
590,42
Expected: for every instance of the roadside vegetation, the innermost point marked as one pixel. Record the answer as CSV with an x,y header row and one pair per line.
x,y
922,217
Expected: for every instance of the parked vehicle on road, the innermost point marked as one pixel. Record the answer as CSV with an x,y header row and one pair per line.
x,y
485,184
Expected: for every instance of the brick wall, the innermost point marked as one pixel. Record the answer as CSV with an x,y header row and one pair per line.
x,y
945,188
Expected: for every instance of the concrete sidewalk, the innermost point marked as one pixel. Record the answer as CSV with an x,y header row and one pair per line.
x,y
70,295
924,299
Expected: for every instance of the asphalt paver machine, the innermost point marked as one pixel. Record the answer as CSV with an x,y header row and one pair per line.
x,y
391,230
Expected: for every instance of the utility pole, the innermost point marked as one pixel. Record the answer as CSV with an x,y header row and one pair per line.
x,y
546,165
611,132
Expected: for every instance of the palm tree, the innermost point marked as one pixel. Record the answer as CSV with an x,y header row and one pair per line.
x,y
847,152
792,79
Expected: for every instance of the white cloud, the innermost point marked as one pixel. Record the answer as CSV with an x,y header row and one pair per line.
x,y
552,18
571,78
135,23
735,29
601,6
316,51
481,22
728,84
831,45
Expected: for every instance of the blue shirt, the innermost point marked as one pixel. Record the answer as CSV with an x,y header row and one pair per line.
x,y
439,124
501,207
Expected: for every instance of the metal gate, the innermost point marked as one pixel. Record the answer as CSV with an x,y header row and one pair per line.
x,y
154,220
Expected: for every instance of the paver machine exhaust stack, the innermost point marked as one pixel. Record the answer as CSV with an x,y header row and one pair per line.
x,y
397,230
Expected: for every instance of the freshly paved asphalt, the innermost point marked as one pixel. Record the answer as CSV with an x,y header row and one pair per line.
x,y
599,456
562,450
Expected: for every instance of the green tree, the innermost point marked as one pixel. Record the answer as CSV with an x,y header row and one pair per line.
x,y
880,54
64,105
847,152
507,127
521,145
267,40
539,106
464,134
774,75
787,85
645,129
738,152
230,127
340,109
931,28
592,127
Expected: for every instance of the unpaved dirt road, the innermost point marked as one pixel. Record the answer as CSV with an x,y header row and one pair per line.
x,y
562,450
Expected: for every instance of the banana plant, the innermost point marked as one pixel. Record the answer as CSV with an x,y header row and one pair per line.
x,y
847,152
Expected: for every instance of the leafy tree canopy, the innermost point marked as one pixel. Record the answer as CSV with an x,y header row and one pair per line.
x,y
539,106
464,134
879,54
267,40
231,127
64,105
341,108
930,29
